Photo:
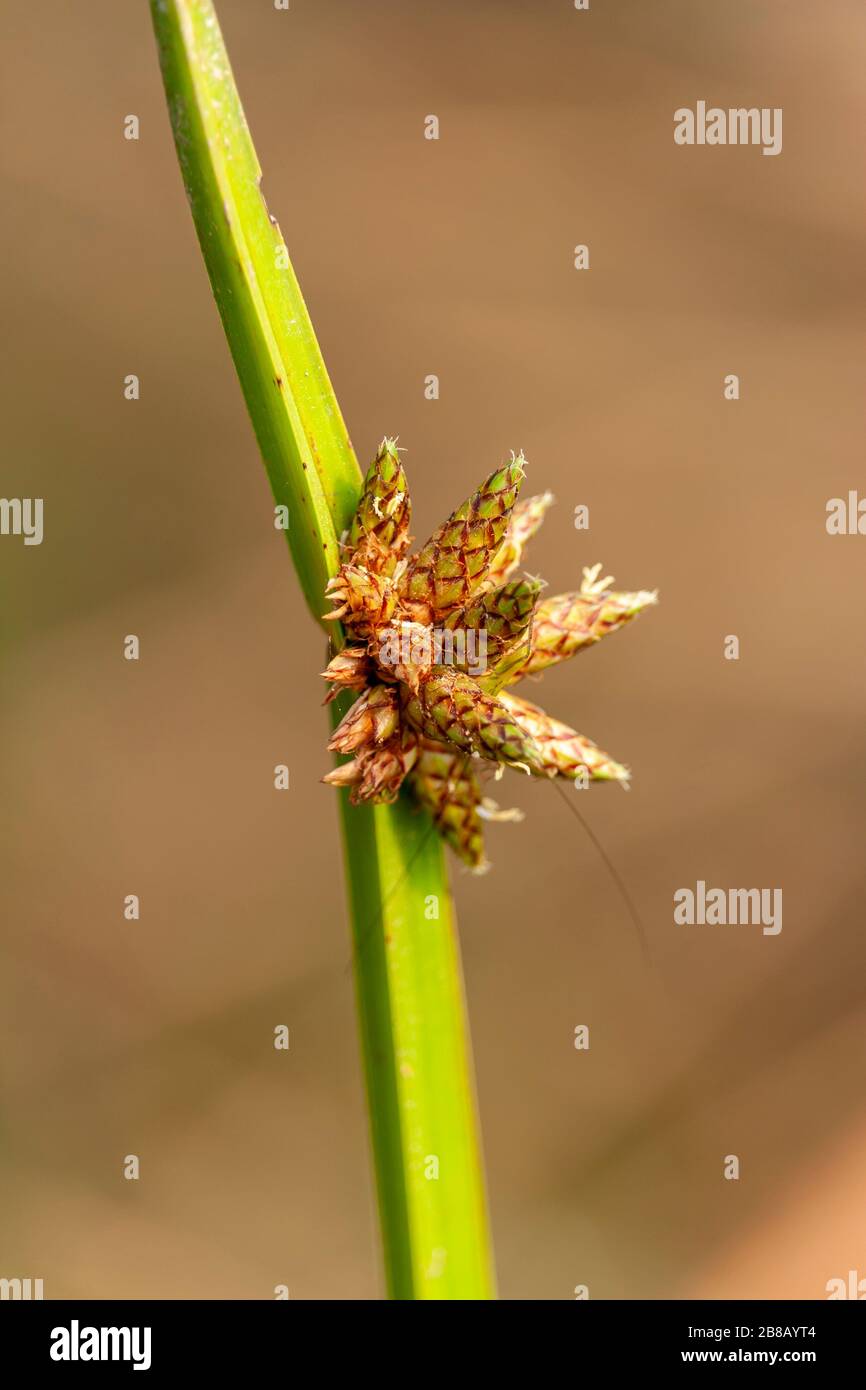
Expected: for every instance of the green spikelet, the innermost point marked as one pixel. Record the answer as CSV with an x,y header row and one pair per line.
x,y
379,534
567,623
454,563
450,707
503,614
525,520
444,782
563,752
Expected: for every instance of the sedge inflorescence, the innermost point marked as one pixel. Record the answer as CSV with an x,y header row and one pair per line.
x,y
435,640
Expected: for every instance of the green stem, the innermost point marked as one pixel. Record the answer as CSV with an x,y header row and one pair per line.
x,y
413,1027
419,1087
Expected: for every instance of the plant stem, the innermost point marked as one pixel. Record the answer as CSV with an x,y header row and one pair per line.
x,y
410,1001
410,998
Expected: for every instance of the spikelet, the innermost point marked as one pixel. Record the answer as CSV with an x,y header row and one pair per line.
x,y
452,708
455,561
525,520
350,669
376,773
374,717
364,600
567,623
561,751
503,614
444,782
379,533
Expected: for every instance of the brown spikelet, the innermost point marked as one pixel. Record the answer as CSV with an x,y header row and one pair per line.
x,y
364,600
350,669
374,717
377,773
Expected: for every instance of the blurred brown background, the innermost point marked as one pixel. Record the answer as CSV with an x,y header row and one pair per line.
x,y
452,258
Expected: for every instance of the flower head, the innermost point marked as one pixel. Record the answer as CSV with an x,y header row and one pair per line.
x,y
435,639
